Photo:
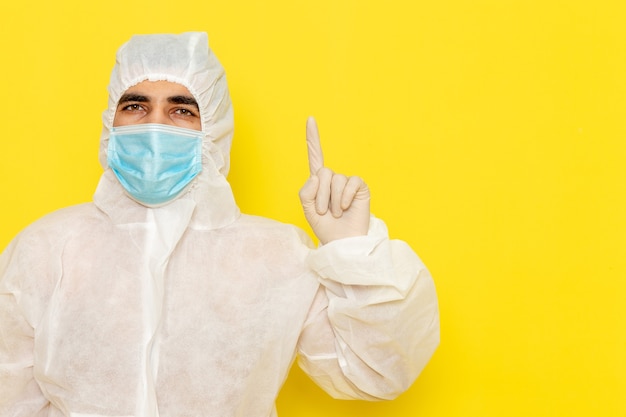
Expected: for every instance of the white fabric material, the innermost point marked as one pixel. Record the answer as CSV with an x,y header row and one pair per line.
x,y
192,309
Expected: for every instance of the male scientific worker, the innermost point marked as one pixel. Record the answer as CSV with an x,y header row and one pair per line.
x,y
161,299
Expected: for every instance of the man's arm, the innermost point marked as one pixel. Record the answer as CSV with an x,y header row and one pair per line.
x,y
375,321
20,395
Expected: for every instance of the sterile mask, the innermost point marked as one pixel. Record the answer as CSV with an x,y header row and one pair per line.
x,y
154,162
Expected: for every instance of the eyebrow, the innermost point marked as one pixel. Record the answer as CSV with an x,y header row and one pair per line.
x,y
133,97
183,100
140,98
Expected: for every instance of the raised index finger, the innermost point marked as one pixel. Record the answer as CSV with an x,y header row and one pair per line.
x,y
316,158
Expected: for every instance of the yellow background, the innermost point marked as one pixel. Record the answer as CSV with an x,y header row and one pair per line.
x,y
491,132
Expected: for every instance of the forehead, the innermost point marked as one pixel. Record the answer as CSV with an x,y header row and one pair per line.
x,y
158,89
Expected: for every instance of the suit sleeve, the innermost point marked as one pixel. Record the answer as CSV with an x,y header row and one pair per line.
x,y
20,395
374,323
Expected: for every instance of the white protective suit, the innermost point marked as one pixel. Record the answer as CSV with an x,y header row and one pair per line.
x,y
115,309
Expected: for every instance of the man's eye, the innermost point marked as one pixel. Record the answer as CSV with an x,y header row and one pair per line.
x,y
185,112
132,107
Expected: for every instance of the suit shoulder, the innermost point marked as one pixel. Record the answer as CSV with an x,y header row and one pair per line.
x,y
271,229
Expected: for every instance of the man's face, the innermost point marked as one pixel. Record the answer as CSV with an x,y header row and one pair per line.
x,y
161,102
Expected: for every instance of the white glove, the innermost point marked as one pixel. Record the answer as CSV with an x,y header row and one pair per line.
x,y
335,206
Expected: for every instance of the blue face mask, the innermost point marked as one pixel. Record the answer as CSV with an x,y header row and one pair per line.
x,y
154,162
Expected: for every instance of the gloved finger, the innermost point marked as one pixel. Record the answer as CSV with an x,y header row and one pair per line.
x,y
322,199
309,191
353,186
316,158
338,185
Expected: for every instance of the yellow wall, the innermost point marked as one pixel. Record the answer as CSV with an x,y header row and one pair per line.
x,y
492,134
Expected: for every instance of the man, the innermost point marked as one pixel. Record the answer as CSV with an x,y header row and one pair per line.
x,y
161,299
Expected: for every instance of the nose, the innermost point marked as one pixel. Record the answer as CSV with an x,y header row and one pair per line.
x,y
158,115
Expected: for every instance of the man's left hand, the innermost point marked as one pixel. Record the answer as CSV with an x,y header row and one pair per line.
x,y
336,206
